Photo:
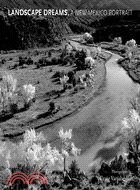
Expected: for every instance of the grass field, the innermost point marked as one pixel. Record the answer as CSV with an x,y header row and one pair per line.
x,y
46,90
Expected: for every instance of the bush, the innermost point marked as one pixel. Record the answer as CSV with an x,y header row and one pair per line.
x,y
69,86
76,89
54,61
49,54
74,171
51,107
59,74
3,61
21,61
13,108
71,76
56,74
80,59
117,40
88,37
67,60
63,80
133,183
30,61
42,62
131,43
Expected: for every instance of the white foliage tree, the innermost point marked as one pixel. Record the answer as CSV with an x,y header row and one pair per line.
x,y
68,147
131,124
8,95
131,43
64,80
117,40
90,62
131,136
88,37
32,155
131,48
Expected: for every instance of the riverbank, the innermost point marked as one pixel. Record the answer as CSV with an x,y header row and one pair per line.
x,y
133,70
96,125
131,66
69,102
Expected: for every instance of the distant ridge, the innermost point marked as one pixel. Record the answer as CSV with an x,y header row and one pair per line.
x,y
95,4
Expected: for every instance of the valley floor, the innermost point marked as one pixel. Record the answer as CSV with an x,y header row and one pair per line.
x,y
46,91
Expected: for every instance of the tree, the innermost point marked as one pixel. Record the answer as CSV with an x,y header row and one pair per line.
x,y
131,48
80,59
117,40
8,95
31,155
131,134
52,107
63,81
68,147
88,37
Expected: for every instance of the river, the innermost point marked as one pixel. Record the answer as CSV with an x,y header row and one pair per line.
x,y
96,127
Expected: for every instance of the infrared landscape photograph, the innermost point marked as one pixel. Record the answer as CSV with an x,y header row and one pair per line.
x,y
69,95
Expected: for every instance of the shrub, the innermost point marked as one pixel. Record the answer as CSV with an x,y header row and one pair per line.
x,y
49,54
42,62
89,62
88,37
99,50
80,59
69,86
37,65
3,61
62,74
29,61
51,107
117,40
133,183
71,76
28,95
57,74
63,81
54,61
131,43
67,60
75,80
21,61
13,108
74,171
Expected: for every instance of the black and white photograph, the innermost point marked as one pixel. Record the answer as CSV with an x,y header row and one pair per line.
x,y
69,94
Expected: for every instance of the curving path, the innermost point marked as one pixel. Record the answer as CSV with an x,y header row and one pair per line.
x,y
96,127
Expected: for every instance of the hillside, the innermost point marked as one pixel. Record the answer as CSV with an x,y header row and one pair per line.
x,y
96,4
21,32
111,4
29,32
38,4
